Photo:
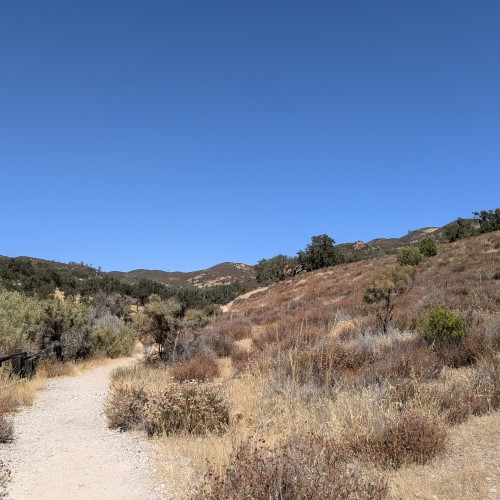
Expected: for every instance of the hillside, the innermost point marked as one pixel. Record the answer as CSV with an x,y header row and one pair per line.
x,y
389,246
317,388
463,275
226,273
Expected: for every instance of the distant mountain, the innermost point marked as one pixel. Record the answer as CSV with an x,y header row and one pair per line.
x,y
228,272
222,274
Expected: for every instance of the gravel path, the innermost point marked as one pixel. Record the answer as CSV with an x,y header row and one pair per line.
x,y
63,448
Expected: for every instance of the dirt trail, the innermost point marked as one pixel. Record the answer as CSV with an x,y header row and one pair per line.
x,y
63,448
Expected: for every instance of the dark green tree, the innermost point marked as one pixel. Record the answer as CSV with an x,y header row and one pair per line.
x,y
409,256
489,220
321,252
458,230
428,247
275,269
164,323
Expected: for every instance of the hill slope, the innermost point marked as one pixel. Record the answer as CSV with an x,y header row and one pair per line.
x,y
221,274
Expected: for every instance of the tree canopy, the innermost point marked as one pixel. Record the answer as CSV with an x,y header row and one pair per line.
x,y
321,252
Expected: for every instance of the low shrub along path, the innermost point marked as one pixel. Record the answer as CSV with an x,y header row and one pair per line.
x,y
63,448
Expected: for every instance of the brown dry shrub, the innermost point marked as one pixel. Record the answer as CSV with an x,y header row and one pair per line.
x,y
301,467
6,430
407,359
457,403
201,367
212,340
125,406
408,437
472,347
186,408
241,358
235,329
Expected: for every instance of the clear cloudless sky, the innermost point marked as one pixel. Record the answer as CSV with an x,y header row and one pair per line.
x,y
176,135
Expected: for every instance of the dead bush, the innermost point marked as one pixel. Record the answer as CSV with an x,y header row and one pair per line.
x,y
186,408
458,402
240,358
125,406
237,329
201,367
301,467
407,359
407,437
6,430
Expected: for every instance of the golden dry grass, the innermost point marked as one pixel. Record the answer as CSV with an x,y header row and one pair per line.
x,y
307,355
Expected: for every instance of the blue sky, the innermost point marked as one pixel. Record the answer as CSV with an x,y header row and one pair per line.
x,y
177,135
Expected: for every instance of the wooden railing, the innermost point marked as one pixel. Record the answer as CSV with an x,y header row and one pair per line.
x,y
23,364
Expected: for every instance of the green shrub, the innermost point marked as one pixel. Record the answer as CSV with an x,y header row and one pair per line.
x,y
20,321
489,220
459,229
112,337
441,325
428,247
409,256
186,408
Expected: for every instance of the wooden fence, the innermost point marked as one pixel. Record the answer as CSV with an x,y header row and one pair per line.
x,y
23,364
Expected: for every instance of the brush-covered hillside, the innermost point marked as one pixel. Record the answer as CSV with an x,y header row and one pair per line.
x,y
373,379
464,276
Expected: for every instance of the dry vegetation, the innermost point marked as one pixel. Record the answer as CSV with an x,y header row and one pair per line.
x,y
307,386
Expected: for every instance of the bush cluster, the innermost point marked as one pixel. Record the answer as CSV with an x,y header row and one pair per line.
x,y
125,407
186,408
301,467
409,437
178,408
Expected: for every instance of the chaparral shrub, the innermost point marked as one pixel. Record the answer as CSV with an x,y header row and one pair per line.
x,y
428,247
441,325
409,256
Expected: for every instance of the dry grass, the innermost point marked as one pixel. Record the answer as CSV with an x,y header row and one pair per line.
x,y
469,468
307,357
15,393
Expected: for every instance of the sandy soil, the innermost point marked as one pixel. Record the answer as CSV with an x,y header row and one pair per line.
x,y
63,448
